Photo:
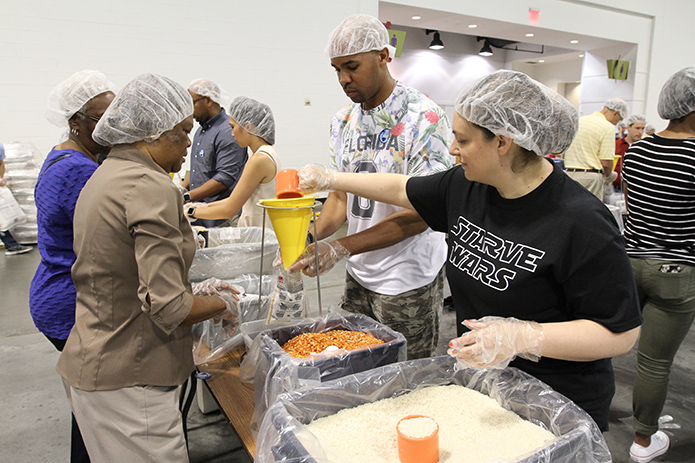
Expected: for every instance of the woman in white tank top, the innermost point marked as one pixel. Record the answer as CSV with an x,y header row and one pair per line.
x,y
253,126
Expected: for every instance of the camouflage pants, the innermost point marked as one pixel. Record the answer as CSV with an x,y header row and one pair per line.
x,y
415,314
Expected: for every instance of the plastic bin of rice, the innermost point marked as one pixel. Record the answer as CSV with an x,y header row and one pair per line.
x,y
274,371
283,435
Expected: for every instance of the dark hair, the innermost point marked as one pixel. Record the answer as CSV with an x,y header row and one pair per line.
x,y
523,158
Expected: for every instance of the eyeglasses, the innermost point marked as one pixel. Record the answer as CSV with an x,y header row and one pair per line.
x,y
94,118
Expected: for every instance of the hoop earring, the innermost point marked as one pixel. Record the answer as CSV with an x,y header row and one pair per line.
x,y
74,131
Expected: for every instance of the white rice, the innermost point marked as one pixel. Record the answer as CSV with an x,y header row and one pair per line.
x,y
418,428
472,428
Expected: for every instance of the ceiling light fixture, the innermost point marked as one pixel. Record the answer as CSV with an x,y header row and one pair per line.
x,y
574,41
489,42
541,61
436,43
416,17
582,55
472,26
529,35
486,50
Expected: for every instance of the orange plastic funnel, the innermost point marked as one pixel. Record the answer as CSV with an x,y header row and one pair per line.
x,y
418,439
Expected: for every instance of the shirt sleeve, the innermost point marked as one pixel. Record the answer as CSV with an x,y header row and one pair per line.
x,y
154,213
428,195
230,159
607,148
429,152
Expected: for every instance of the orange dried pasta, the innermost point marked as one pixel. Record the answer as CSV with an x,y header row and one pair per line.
x,y
303,345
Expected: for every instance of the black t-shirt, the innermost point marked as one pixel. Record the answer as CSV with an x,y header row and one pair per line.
x,y
553,255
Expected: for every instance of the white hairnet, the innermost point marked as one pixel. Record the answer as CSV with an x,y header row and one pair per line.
x,y
73,93
511,104
677,97
148,106
205,87
616,104
635,118
255,117
358,33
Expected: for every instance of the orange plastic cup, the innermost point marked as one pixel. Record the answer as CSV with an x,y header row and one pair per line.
x,y
414,448
287,184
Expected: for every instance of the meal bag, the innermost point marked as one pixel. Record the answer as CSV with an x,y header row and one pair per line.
x,y
578,437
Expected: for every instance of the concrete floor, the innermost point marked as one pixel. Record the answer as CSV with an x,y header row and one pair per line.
x,y
36,422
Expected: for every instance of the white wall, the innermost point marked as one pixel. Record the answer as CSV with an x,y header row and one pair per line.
x,y
597,87
270,50
661,31
442,74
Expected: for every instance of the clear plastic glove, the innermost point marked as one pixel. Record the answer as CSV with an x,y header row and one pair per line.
x,y
330,253
495,341
231,300
611,178
277,262
182,189
212,287
315,177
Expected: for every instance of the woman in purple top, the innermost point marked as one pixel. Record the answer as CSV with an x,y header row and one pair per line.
x,y
76,104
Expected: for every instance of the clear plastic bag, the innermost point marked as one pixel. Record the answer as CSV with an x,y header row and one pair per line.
x,y
232,252
274,371
214,338
283,436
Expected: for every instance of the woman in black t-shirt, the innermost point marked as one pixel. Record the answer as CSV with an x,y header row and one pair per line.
x,y
536,264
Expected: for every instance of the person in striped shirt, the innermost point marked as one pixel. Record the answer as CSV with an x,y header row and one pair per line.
x,y
658,178
589,159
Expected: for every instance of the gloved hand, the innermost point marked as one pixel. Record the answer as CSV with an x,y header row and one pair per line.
x,y
212,287
330,253
314,177
225,291
495,341
611,178
182,189
231,300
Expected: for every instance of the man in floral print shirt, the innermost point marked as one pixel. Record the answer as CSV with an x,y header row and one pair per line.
x,y
394,268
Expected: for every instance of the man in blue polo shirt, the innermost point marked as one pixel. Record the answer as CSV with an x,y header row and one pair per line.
x,y
216,159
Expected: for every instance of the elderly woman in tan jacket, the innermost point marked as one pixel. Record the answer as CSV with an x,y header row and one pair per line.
x,y
131,346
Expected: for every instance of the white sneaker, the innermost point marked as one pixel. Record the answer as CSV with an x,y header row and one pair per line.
x,y
658,446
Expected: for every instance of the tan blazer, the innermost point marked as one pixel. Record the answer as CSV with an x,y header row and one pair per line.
x,y
134,247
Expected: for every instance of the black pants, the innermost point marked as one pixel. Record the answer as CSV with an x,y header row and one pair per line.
x,y
78,452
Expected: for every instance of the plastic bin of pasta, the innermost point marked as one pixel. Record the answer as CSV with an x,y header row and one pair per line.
x,y
284,434
274,371
234,251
